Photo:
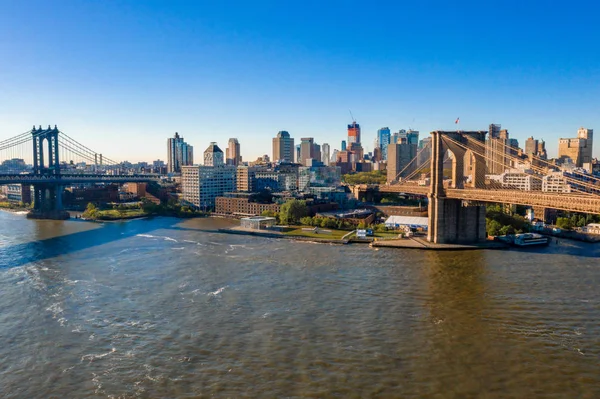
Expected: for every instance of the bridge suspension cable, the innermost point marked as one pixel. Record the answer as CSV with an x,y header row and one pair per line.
x,y
419,152
508,155
543,171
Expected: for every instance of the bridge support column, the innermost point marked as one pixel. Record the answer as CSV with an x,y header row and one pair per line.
x,y
451,221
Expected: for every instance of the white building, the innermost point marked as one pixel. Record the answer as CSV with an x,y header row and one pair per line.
x,y
593,228
521,181
201,185
555,182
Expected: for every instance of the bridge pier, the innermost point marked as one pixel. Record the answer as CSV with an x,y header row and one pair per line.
x,y
451,221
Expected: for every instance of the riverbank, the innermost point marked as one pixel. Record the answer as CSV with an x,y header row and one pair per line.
x,y
405,243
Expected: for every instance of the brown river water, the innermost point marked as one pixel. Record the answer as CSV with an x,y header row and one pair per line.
x,y
161,308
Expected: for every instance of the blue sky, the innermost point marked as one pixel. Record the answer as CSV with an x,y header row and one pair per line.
x,y
123,76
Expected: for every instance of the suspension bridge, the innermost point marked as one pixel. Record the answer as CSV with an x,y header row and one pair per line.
x,y
457,203
49,159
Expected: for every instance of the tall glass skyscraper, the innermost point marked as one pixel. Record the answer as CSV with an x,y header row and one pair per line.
x,y
383,140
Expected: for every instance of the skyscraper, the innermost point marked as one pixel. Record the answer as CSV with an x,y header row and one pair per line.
x,y
233,152
179,153
383,140
399,156
325,154
213,155
283,147
343,145
497,148
531,146
307,149
353,133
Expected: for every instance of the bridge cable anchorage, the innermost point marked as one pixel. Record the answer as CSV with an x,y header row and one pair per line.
x,y
540,170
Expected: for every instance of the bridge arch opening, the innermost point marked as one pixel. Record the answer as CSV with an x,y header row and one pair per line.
x,y
45,151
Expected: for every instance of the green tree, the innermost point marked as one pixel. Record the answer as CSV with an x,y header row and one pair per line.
x,y
564,223
493,227
292,211
306,221
507,230
91,212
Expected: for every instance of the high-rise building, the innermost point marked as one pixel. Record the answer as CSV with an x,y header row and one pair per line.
x,y
283,147
233,152
353,133
325,154
201,185
497,148
343,145
424,151
316,152
531,146
383,140
412,137
399,157
307,150
588,136
298,157
179,153
578,149
213,155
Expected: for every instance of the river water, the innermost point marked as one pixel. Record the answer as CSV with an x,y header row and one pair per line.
x,y
159,308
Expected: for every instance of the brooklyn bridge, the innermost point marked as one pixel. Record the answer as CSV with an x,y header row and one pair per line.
x,y
457,202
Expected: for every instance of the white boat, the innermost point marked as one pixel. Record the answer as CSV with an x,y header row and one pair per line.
x,y
530,239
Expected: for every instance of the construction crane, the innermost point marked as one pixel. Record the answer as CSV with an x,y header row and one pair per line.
x,y
352,116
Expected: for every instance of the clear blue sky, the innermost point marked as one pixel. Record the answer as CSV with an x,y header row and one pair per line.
x,y
123,76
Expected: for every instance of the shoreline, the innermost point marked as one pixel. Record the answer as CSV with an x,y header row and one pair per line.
x,y
404,243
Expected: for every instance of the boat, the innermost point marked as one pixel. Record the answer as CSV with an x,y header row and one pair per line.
x,y
530,240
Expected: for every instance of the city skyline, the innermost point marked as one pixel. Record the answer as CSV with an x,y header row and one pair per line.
x,y
147,71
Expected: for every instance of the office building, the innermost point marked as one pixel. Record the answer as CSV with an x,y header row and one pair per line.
x,y
383,140
353,133
497,150
283,147
424,151
579,149
307,150
201,185
213,155
325,154
233,152
246,178
179,153
343,145
555,182
399,157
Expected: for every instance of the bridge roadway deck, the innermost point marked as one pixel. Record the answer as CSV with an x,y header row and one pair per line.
x,y
75,179
585,203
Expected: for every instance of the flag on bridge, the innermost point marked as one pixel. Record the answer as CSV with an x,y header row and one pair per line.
x,y
457,120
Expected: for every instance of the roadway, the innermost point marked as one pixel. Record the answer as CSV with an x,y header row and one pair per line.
x,y
573,202
68,179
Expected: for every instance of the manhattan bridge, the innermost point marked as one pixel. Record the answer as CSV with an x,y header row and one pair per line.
x,y
57,161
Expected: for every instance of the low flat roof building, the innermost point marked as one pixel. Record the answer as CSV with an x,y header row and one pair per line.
x,y
394,222
258,222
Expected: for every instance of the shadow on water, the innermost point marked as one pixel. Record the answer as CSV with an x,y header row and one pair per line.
x,y
21,254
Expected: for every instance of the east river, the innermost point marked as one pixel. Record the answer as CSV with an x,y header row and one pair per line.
x,y
159,308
